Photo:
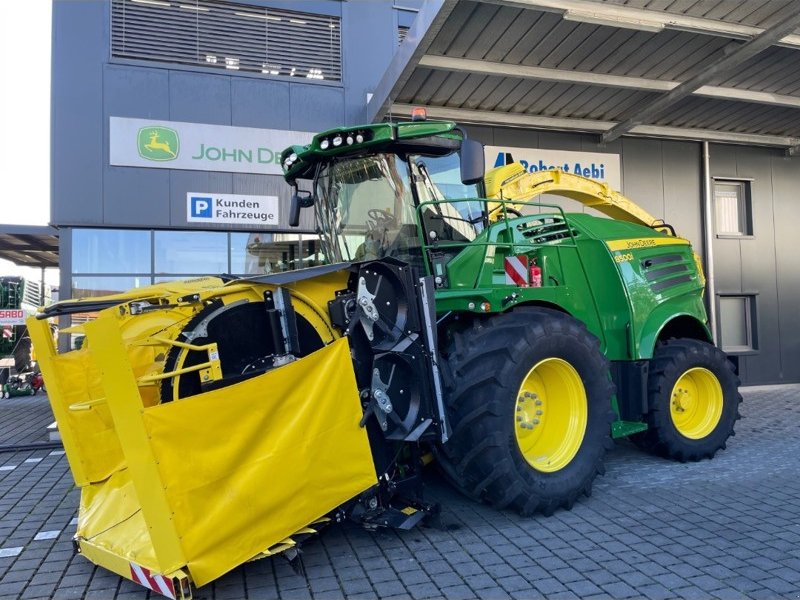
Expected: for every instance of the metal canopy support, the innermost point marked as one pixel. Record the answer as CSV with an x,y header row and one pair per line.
x,y
487,117
629,17
484,67
429,21
745,52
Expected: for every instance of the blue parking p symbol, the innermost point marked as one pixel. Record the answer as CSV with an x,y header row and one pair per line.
x,y
201,207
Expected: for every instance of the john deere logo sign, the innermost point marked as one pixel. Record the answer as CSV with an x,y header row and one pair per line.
x,y
158,143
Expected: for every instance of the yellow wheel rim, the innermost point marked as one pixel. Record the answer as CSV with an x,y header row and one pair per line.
x,y
550,415
696,403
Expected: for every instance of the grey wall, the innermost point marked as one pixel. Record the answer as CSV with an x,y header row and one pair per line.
x,y
662,176
665,178
88,87
767,263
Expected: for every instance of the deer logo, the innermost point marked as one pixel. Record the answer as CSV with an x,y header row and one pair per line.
x,y
158,143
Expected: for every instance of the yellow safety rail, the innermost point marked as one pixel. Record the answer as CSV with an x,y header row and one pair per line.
x,y
513,182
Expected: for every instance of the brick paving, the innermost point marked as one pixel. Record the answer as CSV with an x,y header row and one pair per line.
x,y
654,529
24,419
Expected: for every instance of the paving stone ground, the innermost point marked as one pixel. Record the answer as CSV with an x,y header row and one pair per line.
x,y
727,528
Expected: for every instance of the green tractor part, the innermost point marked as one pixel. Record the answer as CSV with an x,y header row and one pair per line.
x,y
219,420
19,298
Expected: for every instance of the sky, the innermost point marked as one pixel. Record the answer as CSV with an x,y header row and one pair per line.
x,y
25,29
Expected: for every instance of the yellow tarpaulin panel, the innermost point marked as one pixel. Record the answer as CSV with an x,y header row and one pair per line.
x,y
111,518
74,383
246,466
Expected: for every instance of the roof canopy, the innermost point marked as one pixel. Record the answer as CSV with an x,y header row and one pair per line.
x,y
29,246
717,70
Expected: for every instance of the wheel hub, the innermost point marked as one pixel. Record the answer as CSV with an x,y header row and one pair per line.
x,y
696,403
551,413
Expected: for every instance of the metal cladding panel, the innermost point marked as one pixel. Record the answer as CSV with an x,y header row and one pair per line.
x,y
315,108
257,103
77,129
774,70
643,175
683,191
758,13
757,257
135,196
200,98
727,115
786,183
137,93
536,38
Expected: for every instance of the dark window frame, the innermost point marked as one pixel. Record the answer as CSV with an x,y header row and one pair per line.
x,y
751,325
745,207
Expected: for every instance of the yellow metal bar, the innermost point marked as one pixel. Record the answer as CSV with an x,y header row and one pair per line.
x,y
87,405
42,339
161,341
158,377
211,370
125,405
512,182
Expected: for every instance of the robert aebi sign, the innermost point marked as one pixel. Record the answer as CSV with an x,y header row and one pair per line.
x,y
234,209
600,166
12,316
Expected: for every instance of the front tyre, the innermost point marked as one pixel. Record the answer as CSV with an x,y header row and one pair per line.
x,y
529,398
693,397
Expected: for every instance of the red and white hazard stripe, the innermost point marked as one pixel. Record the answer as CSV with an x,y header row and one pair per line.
x,y
157,583
517,270
7,332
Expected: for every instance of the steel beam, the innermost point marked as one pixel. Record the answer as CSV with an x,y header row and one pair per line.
x,y
647,20
505,119
426,26
742,54
466,65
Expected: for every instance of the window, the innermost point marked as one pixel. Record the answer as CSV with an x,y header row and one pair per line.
x,y
110,251
191,252
228,36
732,206
267,253
737,323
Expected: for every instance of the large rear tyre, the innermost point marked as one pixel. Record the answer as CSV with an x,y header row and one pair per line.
x,y
529,401
693,398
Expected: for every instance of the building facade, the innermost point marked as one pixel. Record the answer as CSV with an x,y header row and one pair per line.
x,y
162,107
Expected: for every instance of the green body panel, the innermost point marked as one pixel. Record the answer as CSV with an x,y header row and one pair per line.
x,y
375,136
624,281
621,429
622,300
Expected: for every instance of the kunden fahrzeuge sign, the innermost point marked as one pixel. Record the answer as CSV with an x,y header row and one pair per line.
x,y
199,147
232,209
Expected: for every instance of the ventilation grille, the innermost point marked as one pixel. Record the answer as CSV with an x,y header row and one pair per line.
x,y
402,32
235,37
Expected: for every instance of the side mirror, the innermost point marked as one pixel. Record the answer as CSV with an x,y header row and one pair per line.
x,y
472,161
300,199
